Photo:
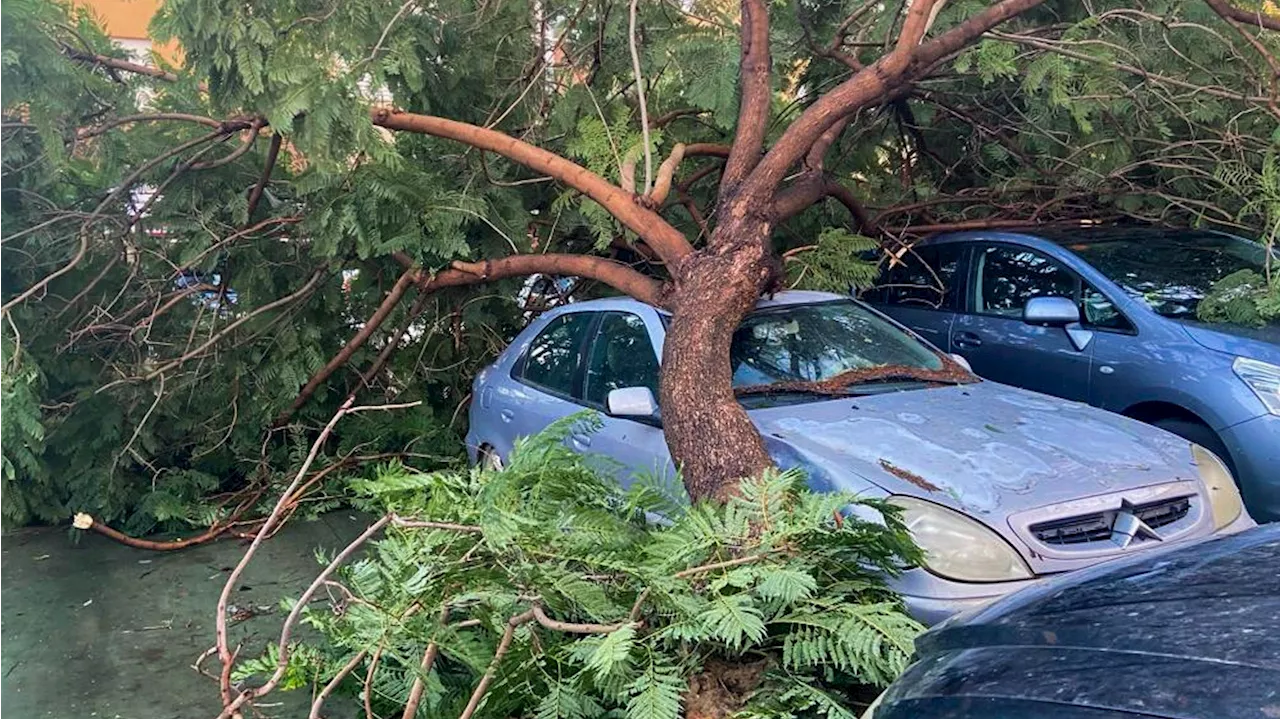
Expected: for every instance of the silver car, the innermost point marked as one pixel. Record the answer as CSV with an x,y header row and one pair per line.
x,y
1000,486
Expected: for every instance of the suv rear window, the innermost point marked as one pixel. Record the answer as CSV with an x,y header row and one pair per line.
x,y
1172,272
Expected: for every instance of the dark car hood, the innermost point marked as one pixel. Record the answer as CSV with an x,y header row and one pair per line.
x,y
985,448
1260,343
1189,632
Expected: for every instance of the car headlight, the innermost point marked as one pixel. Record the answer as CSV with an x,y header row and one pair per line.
x,y
1224,498
1263,378
958,547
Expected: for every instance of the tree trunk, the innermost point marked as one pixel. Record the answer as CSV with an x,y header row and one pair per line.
x,y
711,439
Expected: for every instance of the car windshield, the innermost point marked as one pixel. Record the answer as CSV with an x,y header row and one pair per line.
x,y
1172,272
827,348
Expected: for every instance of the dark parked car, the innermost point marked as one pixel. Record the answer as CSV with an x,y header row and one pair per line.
x,y
1108,317
1191,632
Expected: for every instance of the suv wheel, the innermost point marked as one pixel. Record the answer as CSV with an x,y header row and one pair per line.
x,y
1199,433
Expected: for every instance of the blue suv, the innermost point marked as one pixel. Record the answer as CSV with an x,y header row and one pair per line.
x,y
1107,317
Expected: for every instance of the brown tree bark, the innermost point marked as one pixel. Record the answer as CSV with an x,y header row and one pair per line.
x,y
710,436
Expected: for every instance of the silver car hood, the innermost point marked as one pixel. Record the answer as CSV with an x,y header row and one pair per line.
x,y
985,448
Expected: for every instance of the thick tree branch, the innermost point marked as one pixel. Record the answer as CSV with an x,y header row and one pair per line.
x,y
662,185
237,153
573,628
88,132
958,37
255,195
424,669
753,111
125,65
815,159
875,83
706,149
813,188
1258,18
371,325
612,273
655,231
668,117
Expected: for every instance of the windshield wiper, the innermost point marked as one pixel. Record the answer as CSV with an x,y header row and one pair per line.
x,y
838,386
797,387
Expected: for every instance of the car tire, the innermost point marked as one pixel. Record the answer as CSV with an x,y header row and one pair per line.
x,y
1199,433
487,458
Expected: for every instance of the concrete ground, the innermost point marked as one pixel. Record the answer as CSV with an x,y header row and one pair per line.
x,y
92,628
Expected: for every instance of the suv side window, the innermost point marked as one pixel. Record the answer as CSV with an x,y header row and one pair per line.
x,y
551,362
922,277
621,356
1006,277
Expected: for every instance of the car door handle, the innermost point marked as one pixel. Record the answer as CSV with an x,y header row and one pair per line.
x,y
581,441
966,339
507,415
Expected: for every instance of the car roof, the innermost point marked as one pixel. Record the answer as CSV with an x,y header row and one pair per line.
x,y
1075,234
780,299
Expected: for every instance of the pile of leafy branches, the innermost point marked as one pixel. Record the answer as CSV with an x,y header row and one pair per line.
x,y
1247,297
545,589
1244,298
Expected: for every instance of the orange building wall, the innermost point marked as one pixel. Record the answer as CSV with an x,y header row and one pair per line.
x,y
128,20
125,19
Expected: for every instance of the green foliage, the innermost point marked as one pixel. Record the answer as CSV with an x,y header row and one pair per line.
x,y
1147,110
836,263
1243,298
780,574
1246,297
22,438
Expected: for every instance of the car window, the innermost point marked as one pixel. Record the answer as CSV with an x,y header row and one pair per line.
x,y
1096,311
621,356
1006,277
816,342
552,359
1172,271
922,277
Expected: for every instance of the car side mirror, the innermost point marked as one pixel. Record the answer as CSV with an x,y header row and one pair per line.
x,y
1050,311
632,403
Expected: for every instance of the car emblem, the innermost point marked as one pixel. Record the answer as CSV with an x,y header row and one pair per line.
x,y
1128,526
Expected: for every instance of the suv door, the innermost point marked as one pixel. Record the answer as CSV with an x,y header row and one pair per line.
x,y
919,289
622,355
995,340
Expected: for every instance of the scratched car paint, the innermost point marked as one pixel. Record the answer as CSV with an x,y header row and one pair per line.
x,y
1003,486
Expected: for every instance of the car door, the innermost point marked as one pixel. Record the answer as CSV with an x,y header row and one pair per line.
x,y
992,336
918,288
547,377
622,355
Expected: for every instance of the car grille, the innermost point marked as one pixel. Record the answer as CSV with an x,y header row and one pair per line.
x,y
1096,527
